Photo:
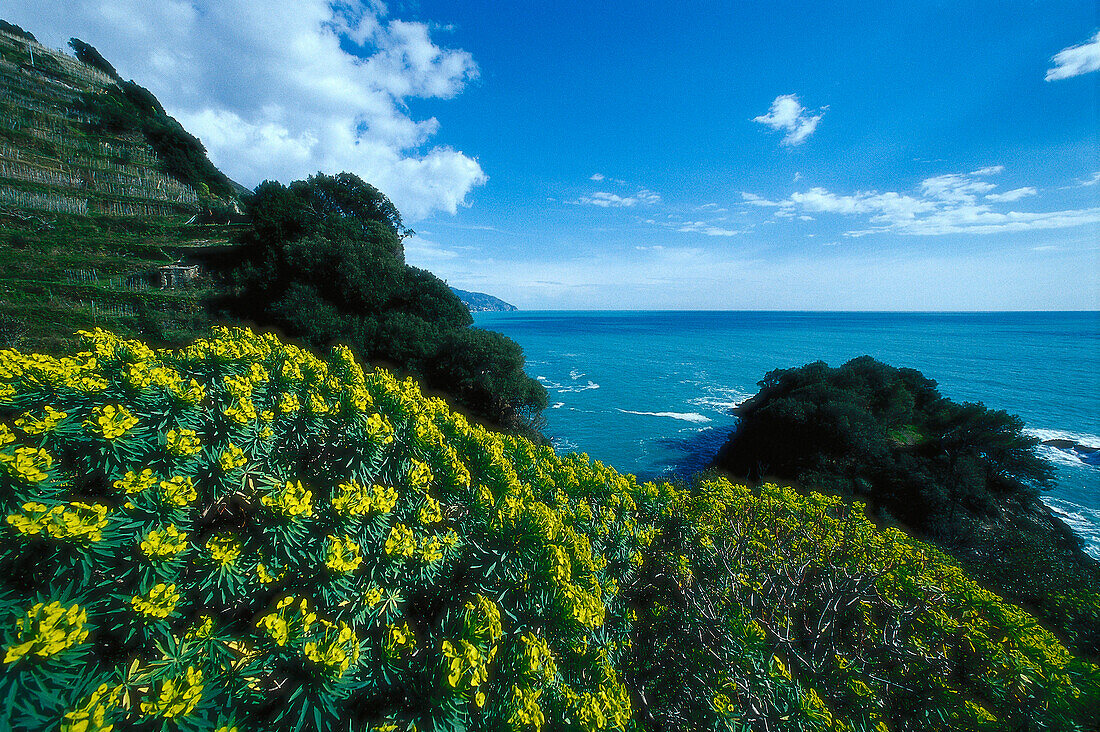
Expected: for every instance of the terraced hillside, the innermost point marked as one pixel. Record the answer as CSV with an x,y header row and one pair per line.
x,y
89,213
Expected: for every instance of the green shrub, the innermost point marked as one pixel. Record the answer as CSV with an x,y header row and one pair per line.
x,y
239,534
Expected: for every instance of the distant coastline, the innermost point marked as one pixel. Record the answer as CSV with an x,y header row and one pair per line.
x,y
479,302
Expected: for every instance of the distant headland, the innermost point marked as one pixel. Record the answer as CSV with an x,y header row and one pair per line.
x,y
479,302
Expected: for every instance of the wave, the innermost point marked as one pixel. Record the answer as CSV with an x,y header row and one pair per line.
x,y
1084,521
685,416
1081,438
558,405
582,387
564,388
1066,455
574,374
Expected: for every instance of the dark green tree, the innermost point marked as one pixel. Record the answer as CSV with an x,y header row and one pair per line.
x,y
961,474
88,54
323,262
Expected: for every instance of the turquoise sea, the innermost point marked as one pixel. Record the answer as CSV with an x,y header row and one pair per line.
x,y
650,393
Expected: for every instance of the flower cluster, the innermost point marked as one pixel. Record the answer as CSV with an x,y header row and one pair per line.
x,y
158,602
111,421
182,443
73,522
353,500
28,464
291,501
223,548
163,544
343,555
177,697
46,630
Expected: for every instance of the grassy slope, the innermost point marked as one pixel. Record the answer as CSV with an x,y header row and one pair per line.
x,y
85,217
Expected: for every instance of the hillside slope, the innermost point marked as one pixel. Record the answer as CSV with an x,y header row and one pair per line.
x,y
88,211
241,533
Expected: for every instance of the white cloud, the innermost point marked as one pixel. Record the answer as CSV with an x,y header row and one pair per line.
x,y
596,176
1076,60
704,227
787,113
1014,195
755,200
944,204
604,199
1090,181
280,89
421,251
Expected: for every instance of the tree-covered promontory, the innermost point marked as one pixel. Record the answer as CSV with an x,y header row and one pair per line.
x,y
322,261
960,474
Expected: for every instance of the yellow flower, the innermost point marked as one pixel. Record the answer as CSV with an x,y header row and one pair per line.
x,y
193,394
290,501
353,499
538,657
431,550
6,435
111,421
29,464
379,429
266,576
241,411
343,555
201,630
178,491
91,715
335,651
177,697
233,457
398,638
34,426
288,619
136,482
46,630
78,522
420,475
182,443
430,512
401,541
224,548
32,520
159,602
526,711
373,596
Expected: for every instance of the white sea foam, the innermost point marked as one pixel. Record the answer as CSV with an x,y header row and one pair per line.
x,y
1064,456
558,405
1081,438
1084,521
685,416
567,388
576,387
574,374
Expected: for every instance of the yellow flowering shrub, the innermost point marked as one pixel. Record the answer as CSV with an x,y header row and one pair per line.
x,y
241,535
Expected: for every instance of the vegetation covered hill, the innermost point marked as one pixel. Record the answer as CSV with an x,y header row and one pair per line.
x,y
962,475
241,535
479,302
97,186
100,190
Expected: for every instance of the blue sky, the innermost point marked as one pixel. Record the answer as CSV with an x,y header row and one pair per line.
x,y
780,155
